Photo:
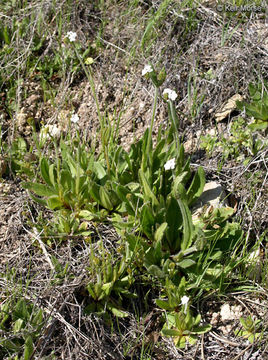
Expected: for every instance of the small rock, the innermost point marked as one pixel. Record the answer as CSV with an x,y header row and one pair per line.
x,y
213,196
226,312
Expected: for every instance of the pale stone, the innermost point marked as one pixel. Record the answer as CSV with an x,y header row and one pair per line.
x,y
226,313
212,196
228,107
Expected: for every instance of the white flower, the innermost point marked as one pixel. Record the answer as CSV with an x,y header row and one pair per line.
x,y
147,69
54,131
184,300
51,130
71,36
170,164
171,94
74,118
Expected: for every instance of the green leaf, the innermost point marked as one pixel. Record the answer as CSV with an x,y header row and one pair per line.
x,y
156,271
51,172
18,325
6,35
171,332
149,195
197,186
54,202
118,313
28,348
147,221
39,189
66,180
158,235
202,329
44,168
21,311
105,198
94,192
260,125
180,342
38,200
107,288
99,170
163,304
185,263
174,221
13,346
86,214
187,225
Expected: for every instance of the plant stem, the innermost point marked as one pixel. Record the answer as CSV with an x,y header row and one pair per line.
x,y
149,139
92,85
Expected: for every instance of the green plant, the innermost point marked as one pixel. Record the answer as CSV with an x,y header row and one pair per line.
x,y
17,156
240,145
113,280
195,100
21,323
183,326
258,107
250,329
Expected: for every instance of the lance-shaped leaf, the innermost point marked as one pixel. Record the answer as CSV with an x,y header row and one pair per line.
x,y
197,186
39,189
44,168
148,193
158,235
147,221
105,198
174,220
187,225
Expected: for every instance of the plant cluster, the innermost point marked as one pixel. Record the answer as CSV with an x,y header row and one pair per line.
x,y
146,194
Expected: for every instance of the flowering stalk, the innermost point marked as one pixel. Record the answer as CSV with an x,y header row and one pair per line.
x,y
92,85
157,80
170,96
149,139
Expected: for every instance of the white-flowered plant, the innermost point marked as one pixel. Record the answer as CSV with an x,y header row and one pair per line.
x,y
71,36
170,94
184,301
49,130
170,164
74,118
147,69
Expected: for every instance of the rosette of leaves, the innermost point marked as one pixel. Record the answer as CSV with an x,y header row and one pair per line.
x,y
75,182
184,327
113,280
251,329
136,187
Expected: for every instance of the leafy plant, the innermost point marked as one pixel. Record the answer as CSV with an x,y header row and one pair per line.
x,y
183,326
241,144
257,108
20,162
249,329
113,280
21,323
